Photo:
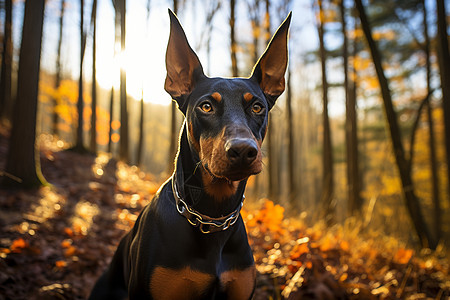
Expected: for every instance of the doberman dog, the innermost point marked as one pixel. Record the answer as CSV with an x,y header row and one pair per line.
x,y
190,242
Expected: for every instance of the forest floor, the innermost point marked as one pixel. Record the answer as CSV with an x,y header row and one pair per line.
x,y
55,241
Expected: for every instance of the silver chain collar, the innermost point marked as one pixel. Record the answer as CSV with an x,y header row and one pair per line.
x,y
205,223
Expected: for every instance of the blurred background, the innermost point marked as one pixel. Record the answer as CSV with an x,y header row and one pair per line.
x,y
346,139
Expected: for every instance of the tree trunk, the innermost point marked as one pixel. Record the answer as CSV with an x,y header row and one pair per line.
x,y
292,192
234,65
141,132
412,203
327,155
111,111
254,12
5,81
173,121
80,103
271,170
354,199
111,99
214,7
123,146
444,63
94,79
23,157
58,68
433,165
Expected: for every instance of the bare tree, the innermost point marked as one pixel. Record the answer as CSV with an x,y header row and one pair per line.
x,y
111,111
283,8
212,9
142,113
21,164
111,99
173,120
58,74
141,131
354,198
271,164
80,103
444,63
233,44
94,78
292,191
254,12
327,153
5,80
124,135
411,201
433,165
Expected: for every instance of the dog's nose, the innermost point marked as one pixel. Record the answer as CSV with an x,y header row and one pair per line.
x,y
241,150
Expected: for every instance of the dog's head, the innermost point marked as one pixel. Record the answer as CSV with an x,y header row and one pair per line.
x,y
226,117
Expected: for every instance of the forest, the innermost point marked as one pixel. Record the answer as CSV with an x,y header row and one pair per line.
x,y
353,201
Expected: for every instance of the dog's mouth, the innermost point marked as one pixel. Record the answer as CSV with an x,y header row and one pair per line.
x,y
230,176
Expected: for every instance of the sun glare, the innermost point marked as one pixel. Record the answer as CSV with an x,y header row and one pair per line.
x,y
143,59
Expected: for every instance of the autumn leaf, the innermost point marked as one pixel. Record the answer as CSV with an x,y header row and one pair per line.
x,y
18,244
66,243
61,264
70,251
68,231
403,256
298,250
345,245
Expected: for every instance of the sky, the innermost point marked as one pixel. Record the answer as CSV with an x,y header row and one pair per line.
x,y
147,39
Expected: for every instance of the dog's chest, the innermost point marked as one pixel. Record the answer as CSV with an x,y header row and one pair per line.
x,y
187,283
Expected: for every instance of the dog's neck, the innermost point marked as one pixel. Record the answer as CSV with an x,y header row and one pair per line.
x,y
190,184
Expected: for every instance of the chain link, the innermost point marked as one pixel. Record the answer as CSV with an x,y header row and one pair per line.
x,y
206,224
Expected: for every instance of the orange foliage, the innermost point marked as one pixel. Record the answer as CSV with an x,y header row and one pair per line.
x,y
68,231
403,256
18,245
299,250
268,218
71,251
60,264
66,243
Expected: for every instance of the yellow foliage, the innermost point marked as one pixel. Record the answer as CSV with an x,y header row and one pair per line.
x,y
68,91
331,16
360,63
386,35
65,112
391,185
355,33
372,83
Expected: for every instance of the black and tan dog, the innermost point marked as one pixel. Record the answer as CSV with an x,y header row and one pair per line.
x,y
190,241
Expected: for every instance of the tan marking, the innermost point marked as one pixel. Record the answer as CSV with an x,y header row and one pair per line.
x,y
220,189
216,96
179,284
248,97
212,154
192,138
239,284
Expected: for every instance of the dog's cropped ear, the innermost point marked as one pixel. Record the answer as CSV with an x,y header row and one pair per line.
x,y
271,66
182,64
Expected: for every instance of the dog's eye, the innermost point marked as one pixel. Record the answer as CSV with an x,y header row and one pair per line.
x,y
257,108
206,107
